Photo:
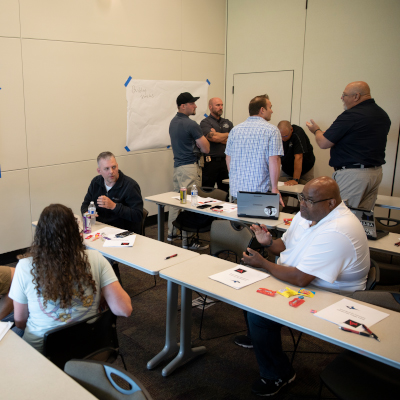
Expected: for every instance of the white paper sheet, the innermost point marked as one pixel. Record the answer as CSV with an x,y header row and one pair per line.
x,y
129,241
4,328
346,310
151,107
239,276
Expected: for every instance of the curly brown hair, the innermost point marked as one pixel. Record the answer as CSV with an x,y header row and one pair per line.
x,y
61,268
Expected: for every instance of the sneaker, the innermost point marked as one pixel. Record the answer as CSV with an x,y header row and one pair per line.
x,y
195,245
243,341
171,238
269,387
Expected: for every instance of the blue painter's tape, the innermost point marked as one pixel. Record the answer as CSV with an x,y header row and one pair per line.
x,y
206,115
127,148
208,81
168,146
0,171
127,82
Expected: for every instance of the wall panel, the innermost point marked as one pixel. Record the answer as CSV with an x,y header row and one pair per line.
x,y
12,122
155,23
15,209
345,50
9,18
75,96
203,26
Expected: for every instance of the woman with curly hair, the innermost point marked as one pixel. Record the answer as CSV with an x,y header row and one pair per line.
x,y
59,281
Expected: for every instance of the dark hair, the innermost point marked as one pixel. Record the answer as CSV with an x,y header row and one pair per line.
x,y
61,268
256,104
104,155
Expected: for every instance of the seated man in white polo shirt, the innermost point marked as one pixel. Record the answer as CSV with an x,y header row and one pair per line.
x,y
325,246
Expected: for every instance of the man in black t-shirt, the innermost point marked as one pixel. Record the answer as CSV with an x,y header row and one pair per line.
x,y
298,159
357,140
216,129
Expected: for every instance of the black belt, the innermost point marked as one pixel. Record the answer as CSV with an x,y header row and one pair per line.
x,y
217,158
355,166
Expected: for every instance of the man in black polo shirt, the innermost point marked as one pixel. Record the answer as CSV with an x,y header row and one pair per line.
x,y
216,130
186,140
357,140
298,159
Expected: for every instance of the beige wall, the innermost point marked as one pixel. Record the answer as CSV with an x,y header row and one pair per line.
x,y
330,44
62,98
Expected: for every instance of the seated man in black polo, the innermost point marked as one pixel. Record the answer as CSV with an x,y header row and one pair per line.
x,y
298,159
117,197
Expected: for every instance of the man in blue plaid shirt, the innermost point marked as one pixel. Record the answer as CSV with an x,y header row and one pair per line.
x,y
253,151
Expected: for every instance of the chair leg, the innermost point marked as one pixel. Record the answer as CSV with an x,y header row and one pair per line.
x,y
123,361
202,315
321,384
295,344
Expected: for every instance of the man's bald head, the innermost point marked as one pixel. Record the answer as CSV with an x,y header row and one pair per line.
x,y
285,129
355,93
216,107
324,193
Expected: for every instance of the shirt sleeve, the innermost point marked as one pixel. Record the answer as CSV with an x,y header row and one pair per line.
x,y
107,274
341,126
195,131
18,285
325,261
275,147
205,126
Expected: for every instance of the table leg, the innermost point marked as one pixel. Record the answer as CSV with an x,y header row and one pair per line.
x,y
186,351
161,222
171,346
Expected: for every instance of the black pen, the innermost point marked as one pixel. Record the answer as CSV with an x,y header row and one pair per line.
x,y
173,255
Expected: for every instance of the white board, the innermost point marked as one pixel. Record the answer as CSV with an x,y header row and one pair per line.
x,y
151,107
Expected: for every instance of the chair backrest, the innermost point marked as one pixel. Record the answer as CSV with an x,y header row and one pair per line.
x,y
79,339
98,379
142,228
387,224
389,300
218,194
229,236
373,275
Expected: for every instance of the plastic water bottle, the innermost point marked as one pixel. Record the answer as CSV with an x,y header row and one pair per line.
x,y
194,196
92,212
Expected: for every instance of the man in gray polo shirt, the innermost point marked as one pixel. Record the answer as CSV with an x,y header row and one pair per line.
x,y
187,142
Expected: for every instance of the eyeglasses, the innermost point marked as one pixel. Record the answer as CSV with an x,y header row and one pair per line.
x,y
300,197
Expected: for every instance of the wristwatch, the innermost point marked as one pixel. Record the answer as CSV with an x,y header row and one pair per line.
x,y
294,179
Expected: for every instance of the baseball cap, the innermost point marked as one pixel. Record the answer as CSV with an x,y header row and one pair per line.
x,y
184,98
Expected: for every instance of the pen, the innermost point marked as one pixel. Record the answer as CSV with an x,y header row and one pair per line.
x,y
261,227
173,255
371,333
353,331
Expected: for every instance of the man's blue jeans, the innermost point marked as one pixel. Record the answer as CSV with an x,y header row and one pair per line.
x,y
266,337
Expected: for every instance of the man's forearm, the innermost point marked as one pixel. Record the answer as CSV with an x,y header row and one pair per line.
x,y
274,170
297,167
217,137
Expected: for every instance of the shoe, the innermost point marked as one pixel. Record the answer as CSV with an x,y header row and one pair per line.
x,y
269,387
171,238
195,245
243,341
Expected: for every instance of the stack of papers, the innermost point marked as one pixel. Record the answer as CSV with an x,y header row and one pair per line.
x,y
350,314
202,200
4,328
111,241
239,276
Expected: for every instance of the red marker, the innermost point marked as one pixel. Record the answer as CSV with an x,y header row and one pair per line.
x,y
353,331
173,255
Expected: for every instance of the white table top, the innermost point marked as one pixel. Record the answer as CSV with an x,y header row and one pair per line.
x,y
167,199
27,374
147,255
195,275
388,202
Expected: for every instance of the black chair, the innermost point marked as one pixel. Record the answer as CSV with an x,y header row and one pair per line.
x,y
353,376
92,338
198,223
142,229
390,271
99,379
